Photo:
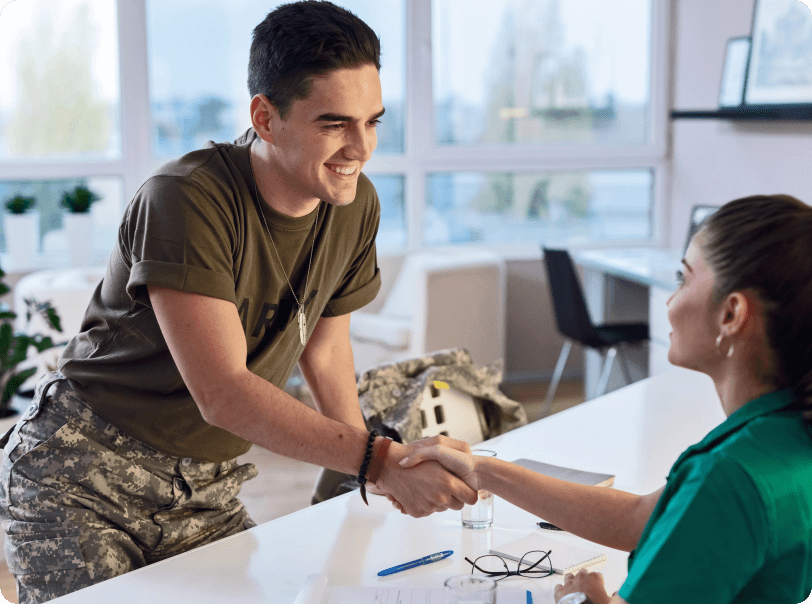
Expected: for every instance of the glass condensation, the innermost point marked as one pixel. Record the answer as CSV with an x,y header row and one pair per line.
x,y
198,73
551,208
541,71
60,94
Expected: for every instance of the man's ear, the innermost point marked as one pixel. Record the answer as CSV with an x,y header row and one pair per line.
x,y
736,311
263,115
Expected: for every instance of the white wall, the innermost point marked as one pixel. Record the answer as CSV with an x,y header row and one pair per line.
x,y
714,161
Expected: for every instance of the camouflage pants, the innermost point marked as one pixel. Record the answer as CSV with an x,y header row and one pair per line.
x,y
82,502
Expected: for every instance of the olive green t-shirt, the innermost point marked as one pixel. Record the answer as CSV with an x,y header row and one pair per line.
x,y
194,226
733,523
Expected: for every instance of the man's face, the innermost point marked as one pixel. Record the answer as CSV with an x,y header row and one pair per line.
x,y
322,145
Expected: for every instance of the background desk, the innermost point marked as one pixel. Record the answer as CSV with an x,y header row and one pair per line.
x,y
624,285
636,432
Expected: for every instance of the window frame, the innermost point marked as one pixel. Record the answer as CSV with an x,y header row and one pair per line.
x,y
421,155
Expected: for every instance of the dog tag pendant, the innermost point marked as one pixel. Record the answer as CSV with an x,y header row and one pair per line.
x,y
302,326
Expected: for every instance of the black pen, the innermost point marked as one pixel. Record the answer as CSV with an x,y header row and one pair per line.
x,y
548,526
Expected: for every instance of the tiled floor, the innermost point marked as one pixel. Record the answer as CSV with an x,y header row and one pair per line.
x,y
285,485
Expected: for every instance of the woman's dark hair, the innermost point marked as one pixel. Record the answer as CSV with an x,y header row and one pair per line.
x,y
300,41
764,244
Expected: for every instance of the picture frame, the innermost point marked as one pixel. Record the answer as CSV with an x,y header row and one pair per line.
x,y
780,66
734,72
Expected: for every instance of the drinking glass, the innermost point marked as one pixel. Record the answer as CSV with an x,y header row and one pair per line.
x,y
470,589
479,515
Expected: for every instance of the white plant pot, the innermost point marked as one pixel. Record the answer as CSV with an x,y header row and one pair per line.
x,y
79,230
22,240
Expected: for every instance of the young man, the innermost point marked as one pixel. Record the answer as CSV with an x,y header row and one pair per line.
x,y
233,263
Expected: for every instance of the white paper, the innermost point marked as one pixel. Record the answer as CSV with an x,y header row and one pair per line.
x,y
312,592
315,591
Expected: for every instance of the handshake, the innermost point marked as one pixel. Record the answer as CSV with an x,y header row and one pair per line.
x,y
426,476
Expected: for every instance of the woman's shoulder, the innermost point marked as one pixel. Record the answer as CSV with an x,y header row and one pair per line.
x,y
774,451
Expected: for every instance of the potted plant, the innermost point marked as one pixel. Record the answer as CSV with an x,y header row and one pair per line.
x,y
78,223
22,231
14,348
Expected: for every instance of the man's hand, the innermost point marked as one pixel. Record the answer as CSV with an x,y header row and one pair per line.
x,y
431,441
458,462
422,490
451,443
590,584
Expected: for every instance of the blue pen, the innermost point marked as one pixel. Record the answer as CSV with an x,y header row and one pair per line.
x,y
419,562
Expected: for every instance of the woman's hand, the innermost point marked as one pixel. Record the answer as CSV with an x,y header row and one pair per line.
x,y
591,584
451,443
457,461
423,443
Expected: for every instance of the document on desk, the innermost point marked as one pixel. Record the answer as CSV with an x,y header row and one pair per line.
x,y
316,591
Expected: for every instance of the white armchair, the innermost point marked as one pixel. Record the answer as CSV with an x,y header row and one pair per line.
x,y
440,298
69,290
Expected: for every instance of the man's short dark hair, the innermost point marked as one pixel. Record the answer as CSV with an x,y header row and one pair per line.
x,y
300,41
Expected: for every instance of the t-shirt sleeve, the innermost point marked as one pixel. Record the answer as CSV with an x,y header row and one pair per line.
x,y
707,544
179,236
362,281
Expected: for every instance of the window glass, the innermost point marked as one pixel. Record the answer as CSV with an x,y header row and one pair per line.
x,y
541,207
541,71
198,73
105,214
60,91
392,231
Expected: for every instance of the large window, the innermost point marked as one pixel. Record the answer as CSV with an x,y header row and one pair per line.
x,y
508,122
541,71
538,207
60,93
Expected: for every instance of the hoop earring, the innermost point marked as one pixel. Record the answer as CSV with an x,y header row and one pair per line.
x,y
719,348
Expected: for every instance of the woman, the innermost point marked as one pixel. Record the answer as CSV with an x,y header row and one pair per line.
x,y
734,521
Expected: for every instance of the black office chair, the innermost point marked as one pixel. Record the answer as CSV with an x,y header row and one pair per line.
x,y
572,318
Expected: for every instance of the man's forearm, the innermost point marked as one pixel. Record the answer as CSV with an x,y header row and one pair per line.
x,y
253,409
334,392
328,368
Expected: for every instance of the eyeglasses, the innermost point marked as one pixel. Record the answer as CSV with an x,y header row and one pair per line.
x,y
537,565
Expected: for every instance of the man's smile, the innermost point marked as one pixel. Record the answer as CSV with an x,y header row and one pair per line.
x,y
342,170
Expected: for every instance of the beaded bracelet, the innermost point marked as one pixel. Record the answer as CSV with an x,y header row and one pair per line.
x,y
362,480
380,455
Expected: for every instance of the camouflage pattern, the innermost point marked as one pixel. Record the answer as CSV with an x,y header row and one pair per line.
x,y
390,398
82,502
390,395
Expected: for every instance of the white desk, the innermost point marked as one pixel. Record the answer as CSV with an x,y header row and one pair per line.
x,y
626,285
636,433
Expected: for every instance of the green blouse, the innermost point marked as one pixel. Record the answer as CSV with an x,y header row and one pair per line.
x,y
734,523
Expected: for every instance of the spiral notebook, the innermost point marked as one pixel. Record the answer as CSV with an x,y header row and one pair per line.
x,y
565,558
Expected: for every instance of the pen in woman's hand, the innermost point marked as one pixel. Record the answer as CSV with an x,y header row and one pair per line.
x,y
548,526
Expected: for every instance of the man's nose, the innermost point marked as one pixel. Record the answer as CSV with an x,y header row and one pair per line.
x,y
361,143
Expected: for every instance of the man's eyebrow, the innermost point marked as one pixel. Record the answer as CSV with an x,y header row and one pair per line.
x,y
688,266
335,117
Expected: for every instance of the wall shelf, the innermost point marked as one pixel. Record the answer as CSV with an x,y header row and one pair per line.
x,y
749,112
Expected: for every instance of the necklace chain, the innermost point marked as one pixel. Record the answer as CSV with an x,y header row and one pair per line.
x,y
302,323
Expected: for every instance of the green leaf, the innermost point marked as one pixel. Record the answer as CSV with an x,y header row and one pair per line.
x,y
19,350
13,385
6,336
53,318
42,343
